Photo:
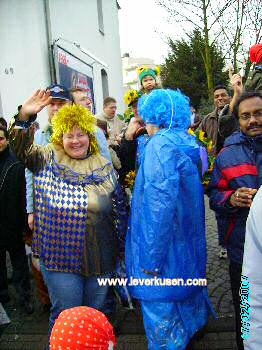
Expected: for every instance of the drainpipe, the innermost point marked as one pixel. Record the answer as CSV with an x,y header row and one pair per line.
x,y
49,41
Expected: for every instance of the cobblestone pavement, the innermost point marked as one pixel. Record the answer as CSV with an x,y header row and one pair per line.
x,y
29,332
217,270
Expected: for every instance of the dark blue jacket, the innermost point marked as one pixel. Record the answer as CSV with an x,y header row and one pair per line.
x,y
239,164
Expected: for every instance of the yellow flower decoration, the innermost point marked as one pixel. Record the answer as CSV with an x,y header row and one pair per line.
x,y
202,135
205,182
191,132
142,68
157,69
210,146
146,68
130,179
131,96
211,167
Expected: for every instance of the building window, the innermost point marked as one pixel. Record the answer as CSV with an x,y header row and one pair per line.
x,y
100,16
104,83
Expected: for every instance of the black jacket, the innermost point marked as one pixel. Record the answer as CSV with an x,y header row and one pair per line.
x,y
127,154
12,199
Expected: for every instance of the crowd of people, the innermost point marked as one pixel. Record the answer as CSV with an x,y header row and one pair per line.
x,y
95,194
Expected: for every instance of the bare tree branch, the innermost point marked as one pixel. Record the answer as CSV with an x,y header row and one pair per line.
x,y
228,22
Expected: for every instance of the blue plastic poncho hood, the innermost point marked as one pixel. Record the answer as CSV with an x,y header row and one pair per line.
x,y
165,108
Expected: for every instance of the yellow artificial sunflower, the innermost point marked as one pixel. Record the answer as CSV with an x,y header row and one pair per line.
x,y
211,167
131,96
202,135
130,179
191,132
210,146
157,69
141,68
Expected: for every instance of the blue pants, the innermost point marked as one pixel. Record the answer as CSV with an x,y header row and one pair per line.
x,y
164,326
171,325
67,290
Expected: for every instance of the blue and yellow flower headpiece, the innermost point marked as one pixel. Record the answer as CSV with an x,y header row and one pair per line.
x,y
143,71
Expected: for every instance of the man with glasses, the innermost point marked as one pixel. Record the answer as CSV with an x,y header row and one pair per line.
x,y
234,182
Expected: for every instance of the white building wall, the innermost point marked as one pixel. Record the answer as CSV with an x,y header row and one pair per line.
x,y
23,58
23,43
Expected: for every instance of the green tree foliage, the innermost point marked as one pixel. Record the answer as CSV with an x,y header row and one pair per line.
x,y
184,67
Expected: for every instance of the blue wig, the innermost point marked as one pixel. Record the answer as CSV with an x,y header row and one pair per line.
x,y
166,108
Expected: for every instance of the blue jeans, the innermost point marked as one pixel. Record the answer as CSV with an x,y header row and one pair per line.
x,y
67,290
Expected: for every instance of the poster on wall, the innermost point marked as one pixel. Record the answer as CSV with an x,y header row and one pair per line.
x,y
74,73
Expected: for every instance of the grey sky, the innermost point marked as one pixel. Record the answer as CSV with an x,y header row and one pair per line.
x,y
143,29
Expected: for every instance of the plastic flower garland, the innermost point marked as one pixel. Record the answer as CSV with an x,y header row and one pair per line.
x,y
205,141
130,179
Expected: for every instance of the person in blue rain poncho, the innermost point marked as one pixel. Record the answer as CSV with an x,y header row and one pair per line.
x,y
166,233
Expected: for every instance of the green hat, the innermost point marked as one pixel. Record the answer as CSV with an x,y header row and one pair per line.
x,y
145,70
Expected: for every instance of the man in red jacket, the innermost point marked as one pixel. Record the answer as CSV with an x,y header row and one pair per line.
x,y
236,177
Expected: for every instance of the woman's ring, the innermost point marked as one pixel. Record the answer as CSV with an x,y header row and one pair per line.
x,y
237,194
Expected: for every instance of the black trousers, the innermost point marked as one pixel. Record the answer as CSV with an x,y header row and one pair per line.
x,y
235,270
20,277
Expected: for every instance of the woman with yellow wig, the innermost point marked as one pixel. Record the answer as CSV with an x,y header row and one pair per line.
x,y
79,210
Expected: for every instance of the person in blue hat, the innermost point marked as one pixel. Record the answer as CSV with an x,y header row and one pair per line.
x,y
60,97
166,234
